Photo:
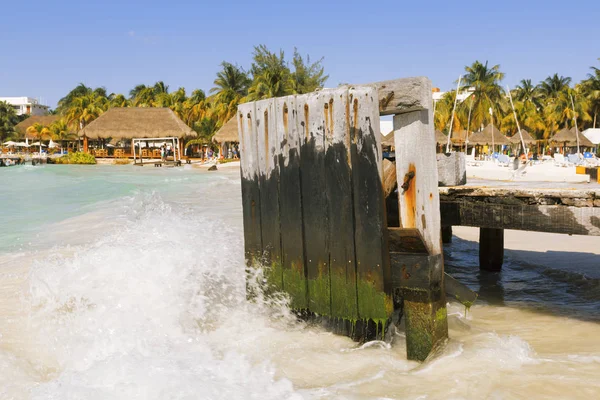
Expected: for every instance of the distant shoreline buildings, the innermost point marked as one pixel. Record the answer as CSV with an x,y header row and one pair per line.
x,y
26,105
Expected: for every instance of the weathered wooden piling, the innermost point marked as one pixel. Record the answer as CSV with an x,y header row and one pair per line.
x,y
491,249
446,234
424,297
315,213
311,171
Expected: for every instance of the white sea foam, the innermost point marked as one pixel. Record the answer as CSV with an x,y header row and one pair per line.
x,y
143,295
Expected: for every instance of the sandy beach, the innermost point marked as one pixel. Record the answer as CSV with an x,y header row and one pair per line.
x,y
564,252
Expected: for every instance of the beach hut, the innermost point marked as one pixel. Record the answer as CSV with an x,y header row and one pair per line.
x,y
568,138
527,138
140,125
489,136
227,136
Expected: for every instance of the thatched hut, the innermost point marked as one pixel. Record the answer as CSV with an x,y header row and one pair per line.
x,y
387,140
45,120
228,132
490,135
137,123
527,138
226,137
568,138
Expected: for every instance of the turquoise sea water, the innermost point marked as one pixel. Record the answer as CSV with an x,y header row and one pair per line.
x,y
123,282
33,198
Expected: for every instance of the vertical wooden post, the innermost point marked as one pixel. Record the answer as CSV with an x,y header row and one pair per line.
x,y
416,168
491,249
290,200
374,282
268,168
85,144
338,188
314,202
446,234
250,188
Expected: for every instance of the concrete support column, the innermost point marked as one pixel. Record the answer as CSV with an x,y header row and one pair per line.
x,y
491,249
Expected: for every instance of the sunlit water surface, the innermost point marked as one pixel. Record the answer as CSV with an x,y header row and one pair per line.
x,y
128,283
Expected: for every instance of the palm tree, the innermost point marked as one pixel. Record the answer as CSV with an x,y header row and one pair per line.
x,y
591,89
552,86
197,96
160,87
118,100
39,132
231,84
527,91
78,91
8,120
135,92
484,81
60,132
85,109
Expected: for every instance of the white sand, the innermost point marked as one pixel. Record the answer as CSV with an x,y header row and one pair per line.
x,y
565,252
545,172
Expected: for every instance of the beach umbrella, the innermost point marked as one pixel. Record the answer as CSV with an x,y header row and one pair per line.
x,y
38,144
21,144
10,143
52,144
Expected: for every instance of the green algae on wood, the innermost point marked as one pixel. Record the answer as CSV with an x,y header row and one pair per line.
x,y
426,327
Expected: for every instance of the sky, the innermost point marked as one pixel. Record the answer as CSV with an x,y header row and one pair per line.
x,y
47,49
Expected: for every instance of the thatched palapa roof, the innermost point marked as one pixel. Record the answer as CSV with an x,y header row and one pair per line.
x,y
458,137
45,120
440,138
527,138
569,137
228,132
488,136
387,140
137,122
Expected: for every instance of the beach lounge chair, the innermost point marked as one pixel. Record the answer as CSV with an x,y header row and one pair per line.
x,y
503,160
470,159
574,159
559,160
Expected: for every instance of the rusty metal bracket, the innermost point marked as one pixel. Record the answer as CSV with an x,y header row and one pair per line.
x,y
407,178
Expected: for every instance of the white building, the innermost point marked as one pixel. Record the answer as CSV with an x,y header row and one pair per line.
x,y
462,96
26,105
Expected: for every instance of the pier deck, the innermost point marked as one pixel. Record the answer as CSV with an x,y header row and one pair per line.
x,y
543,207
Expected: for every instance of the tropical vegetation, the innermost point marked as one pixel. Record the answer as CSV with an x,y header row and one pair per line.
x,y
75,158
542,109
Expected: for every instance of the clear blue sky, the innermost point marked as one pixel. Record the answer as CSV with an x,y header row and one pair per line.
x,y
47,49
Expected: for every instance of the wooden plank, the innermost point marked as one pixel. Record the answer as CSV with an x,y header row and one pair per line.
x,y
416,168
404,95
250,184
374,285
389,177
269,150
338,187
290,195
491,213
314,202
406,241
